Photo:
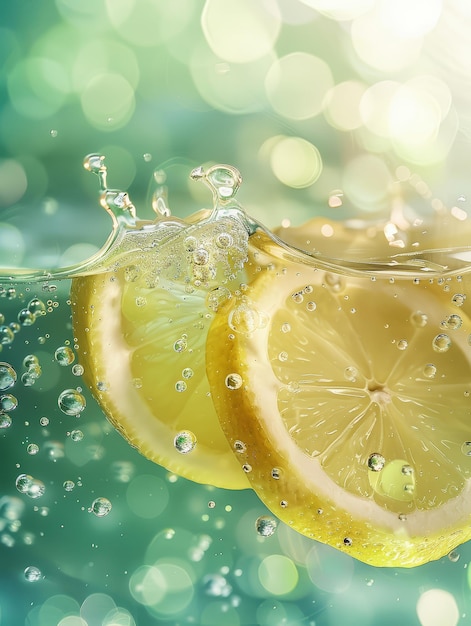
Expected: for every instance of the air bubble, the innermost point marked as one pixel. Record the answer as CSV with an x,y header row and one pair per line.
x,y
201,256
5,420
187,372
265,525
430,370
68,485
453,322
31,487
185,441
334,282
26,318
350,373
224,240
6,335
77,370
285,328
180,386
233,381
44,421
454,556
284,504
30,360
64,356
7,376
239,446
297,297
441,343
466,448
347,541
76,435
8,402
100,507
311,306
180,345
247,468
32,574
190,243
37,307
32,449
458,299
276,473
402,344
283,356
419,319
245,318
71,402
376,462
216,297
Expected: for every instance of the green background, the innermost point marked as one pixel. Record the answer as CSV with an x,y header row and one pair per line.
x,y
362,102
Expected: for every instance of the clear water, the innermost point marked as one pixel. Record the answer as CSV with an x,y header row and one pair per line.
x,y
90,528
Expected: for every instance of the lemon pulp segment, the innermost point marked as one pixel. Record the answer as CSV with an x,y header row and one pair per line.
x,y
350,408
141,334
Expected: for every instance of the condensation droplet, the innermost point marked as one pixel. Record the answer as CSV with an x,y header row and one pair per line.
x,y
441,343
265,525
185,441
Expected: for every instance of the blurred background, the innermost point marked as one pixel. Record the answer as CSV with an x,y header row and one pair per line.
x,y
327,107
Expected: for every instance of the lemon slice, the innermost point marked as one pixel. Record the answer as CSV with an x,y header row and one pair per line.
x,y
348,404
141,331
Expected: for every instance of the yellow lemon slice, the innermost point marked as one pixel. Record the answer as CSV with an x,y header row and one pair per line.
x,y
348,403
141,333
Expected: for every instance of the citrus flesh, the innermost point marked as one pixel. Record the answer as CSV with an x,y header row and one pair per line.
x,y
141,329
346,398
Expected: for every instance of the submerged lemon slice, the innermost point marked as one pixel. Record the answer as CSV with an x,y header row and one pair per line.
x,y
141,332
348,403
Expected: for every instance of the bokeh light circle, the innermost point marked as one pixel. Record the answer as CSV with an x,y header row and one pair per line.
x,y
406,19
366,182
379,48
13,182
437,607
297,84
108,101
147,496
295,162
278,574
240,31
341,9
342,105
